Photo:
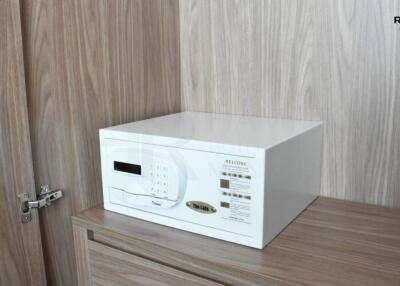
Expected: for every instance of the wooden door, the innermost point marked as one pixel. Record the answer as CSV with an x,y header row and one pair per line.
x,y
90,64
21,258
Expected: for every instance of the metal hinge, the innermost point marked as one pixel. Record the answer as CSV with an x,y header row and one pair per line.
x,y
43,200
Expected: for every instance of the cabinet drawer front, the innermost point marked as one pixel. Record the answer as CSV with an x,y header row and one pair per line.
x,y
112,267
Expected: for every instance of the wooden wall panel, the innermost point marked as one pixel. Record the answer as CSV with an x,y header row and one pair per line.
x,y
91,64
21,257
336,61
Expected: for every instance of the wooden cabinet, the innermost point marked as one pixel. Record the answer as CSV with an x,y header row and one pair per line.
x,y
331,243
110,266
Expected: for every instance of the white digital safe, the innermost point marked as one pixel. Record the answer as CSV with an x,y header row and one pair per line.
x,y
237,178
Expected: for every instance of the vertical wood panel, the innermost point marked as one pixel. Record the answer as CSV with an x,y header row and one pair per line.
x,y
82,255
359,56
21,258
248,57
91,64
335,61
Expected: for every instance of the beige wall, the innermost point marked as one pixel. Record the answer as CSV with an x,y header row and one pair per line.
x,y
335,61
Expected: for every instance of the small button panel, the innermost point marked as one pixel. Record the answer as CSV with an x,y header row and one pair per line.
x,y
159,180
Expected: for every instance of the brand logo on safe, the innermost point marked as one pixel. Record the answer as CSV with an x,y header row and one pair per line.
x,y
397,19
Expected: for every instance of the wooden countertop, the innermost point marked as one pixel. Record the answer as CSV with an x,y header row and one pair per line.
x,y
332,242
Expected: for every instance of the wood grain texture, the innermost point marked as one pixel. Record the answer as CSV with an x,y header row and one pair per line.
x,y
21,257
332,242
127,269
82,256
91,64
335,61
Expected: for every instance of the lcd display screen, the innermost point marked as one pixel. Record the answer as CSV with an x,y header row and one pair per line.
x,y
128,168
